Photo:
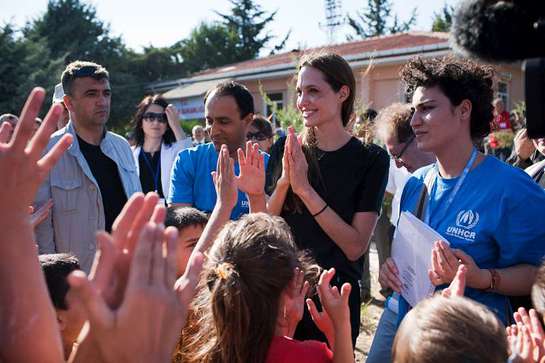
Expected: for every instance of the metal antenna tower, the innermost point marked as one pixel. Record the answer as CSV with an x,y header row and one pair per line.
x,y
333,18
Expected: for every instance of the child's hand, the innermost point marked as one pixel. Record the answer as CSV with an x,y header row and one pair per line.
x,y
322,321
224,180
335,303
458,285
295,302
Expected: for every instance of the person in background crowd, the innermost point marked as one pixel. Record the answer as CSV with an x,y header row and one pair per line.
x,y
190,223
393,128
329,187
58,97
494,228
501,116
199,136
94,179
12,120
159,138
229,110
537,171
261,132
37,124
70,314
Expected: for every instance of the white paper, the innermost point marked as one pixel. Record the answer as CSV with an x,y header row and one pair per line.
x,y
411,251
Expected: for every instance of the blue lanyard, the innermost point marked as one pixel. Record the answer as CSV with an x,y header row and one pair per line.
x,y
150,168
446,206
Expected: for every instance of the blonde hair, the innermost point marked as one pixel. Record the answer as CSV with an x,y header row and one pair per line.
x,y
450,330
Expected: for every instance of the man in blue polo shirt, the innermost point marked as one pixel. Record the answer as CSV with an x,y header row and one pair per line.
x,y
229,110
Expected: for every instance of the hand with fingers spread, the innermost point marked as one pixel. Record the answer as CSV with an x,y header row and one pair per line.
x,y
515,334
251,179
147,323
298,166
335,303
388,276
225,180
458,284
23,168
294,303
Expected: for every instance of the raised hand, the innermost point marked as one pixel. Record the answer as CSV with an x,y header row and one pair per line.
x,y
458,284
147,323
251,179
444,264
298,166
22,166
225,181
294,303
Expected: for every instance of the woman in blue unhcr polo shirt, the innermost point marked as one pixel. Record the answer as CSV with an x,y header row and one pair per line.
x,y
492,214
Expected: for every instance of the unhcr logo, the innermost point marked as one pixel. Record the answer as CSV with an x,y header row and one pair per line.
x,y
467,219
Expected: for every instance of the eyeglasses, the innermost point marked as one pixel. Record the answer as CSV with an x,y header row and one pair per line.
x,y
407,144
150,116
258,136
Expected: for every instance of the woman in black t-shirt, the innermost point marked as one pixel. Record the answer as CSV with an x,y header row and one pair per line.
x,y
328,185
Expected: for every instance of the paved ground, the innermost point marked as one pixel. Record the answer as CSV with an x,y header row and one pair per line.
x,y
370,311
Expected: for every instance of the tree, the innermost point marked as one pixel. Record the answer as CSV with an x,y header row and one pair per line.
x,y
248,21
443,20
208,46
374,20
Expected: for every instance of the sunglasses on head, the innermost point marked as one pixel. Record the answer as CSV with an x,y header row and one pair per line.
x,y
150,116
259,136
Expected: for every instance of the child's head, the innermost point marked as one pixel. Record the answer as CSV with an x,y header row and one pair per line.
x,y
56,268
249,266
450,330
190,223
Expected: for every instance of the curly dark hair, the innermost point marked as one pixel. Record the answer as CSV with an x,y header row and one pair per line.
x,y
168,136
458,79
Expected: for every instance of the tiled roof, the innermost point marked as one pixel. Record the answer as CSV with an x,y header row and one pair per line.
x,y
387,42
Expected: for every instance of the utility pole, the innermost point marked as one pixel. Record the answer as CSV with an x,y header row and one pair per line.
x,y
333,18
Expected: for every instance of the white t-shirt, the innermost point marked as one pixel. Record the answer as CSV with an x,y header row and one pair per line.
x,y
396,181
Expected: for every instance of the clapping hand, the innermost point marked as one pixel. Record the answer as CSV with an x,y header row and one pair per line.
x,y
295,301
298,166
225,181
251,179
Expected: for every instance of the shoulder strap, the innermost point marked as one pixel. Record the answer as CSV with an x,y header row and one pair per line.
x,y
424,195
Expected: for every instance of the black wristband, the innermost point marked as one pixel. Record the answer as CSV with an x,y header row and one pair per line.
x,y
321,210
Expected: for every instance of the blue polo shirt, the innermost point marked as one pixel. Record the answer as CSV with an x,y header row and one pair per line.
x,y
497,218
191,180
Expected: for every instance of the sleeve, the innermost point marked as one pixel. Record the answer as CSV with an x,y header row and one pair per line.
x,y
391,185
374,182
45,235
182,179
521,232
315,351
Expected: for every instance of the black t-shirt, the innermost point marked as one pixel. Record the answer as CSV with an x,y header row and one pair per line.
x,y
150,169
107,176
354,178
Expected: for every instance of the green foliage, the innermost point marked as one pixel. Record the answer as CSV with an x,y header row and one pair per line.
x,y
374,20
442,21
247,21
208,46
187,125
287,116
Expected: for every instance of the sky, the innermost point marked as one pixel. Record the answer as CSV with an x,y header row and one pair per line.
x,y
164,22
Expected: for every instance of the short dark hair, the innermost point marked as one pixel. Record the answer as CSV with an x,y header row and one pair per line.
x,y
182,217
80,69
239,92
263,125
56,268
459,80
168,136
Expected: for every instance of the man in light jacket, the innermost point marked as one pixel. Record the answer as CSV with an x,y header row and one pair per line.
x,y
93,180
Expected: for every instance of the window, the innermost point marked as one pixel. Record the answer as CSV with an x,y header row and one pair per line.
x,y
276,98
